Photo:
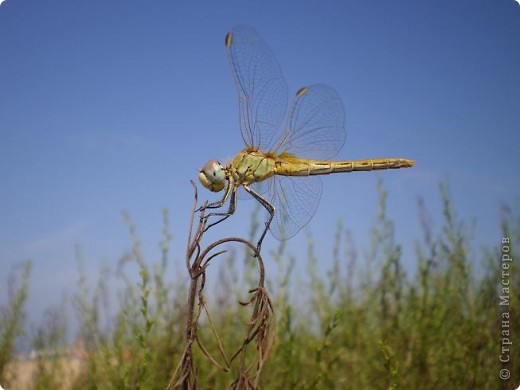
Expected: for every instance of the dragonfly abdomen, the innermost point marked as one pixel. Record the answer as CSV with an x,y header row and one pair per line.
x,y
300,167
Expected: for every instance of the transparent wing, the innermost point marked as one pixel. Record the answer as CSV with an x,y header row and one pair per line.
x,y
262,91
315,125
295,200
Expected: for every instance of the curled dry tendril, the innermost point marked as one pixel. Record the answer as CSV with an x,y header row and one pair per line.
x,y
259,329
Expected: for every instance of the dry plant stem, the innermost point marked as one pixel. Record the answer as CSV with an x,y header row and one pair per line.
x,y
259,328
186,364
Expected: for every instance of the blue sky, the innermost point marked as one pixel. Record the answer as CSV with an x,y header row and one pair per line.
x,y
113,105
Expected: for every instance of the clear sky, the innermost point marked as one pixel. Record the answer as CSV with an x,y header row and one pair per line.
x,y
113,105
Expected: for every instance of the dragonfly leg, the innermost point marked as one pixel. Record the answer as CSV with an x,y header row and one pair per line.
x,y
224,215
219,203
269,207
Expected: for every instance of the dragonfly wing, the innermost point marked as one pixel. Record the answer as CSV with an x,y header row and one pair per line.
x,y
295,200
262,90
315,125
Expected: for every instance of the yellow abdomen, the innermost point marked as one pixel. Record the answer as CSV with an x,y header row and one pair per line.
x,y
250,166
294,166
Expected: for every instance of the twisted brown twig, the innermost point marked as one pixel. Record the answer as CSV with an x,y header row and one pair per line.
x,y
260,328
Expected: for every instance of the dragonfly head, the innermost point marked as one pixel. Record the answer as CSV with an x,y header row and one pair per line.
x,y
213,176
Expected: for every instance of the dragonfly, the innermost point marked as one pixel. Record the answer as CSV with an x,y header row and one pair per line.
x,y
280,166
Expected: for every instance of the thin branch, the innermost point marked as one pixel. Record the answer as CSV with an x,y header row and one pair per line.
x,y
260,327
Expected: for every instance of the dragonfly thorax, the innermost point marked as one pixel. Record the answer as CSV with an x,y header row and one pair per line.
x,y
252,166
213,176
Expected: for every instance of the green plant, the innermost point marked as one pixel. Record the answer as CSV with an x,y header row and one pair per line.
x,y
12,317
349,324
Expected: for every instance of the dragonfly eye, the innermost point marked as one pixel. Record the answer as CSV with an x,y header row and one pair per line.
x,y
213,176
